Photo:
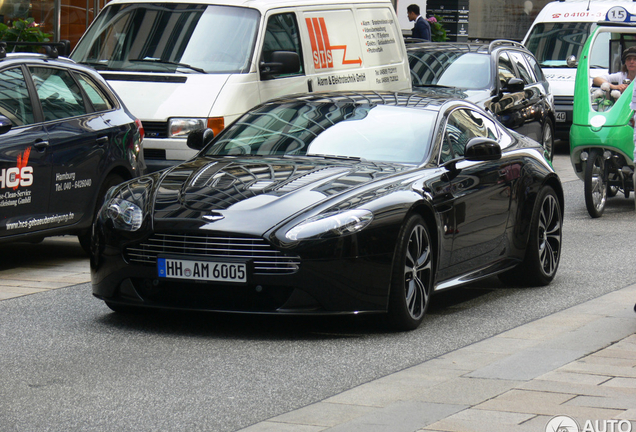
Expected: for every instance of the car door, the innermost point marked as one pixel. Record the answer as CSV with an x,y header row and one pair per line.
x,y
281,34
24,159
77,140
481,194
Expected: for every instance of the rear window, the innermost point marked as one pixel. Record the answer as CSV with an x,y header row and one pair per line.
x,y
469,71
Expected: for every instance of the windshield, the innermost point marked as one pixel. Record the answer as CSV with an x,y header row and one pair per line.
x,y
371,132
449,68
553,43
154,37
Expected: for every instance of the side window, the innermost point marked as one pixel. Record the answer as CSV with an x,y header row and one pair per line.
x,y
522,67
59,94
462,126
95,94
505,69
535,67
282,34
14,97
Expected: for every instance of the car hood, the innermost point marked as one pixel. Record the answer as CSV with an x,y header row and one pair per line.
x,y
151,98
475,96
253,195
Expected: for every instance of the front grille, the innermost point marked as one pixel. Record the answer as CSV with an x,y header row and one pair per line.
x,y
266,259
154,154
559,100
155,129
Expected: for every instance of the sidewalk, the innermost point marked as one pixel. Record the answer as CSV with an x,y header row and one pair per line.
x,y
580,363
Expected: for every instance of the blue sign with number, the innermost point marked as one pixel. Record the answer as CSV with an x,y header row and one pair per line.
x,y
619,14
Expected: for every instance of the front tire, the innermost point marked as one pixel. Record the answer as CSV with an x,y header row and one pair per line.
x,y
543,252
595,184
412,275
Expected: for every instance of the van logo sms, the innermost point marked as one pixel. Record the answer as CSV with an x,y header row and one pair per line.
x,y
21,175
321,48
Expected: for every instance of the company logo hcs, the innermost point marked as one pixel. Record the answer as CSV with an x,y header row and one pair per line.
x,y
20,175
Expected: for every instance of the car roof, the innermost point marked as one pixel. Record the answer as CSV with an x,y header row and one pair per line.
x,y
474,47
423,101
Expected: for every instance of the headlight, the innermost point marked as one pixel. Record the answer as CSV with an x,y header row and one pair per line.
x,y
125,205
330,224
125,214
181,127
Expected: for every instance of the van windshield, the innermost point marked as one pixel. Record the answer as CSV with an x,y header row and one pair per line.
x,y
170,37
553,43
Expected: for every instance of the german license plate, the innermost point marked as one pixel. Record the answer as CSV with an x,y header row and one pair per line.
x,y
560,116
201,270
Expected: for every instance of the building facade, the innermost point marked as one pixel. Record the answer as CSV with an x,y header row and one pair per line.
x,y
68,19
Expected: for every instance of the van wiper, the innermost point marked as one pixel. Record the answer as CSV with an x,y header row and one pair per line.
x,y
156,60
433,85
340,157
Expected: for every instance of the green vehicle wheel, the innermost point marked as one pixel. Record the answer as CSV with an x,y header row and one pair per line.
x,y
595,183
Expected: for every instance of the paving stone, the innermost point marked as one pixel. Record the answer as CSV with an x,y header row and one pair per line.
x,y
549,327
622,402
324,414
576,389
502,345
573,378
269,426
630,414
400,417
23,283
600,369
620,382
527,364
543,403
595,335
469,360
474,420
467,391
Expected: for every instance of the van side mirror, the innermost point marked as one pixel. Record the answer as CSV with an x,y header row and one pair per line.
x,y
514,85
5,125
199,138
571,61
283,62
482,149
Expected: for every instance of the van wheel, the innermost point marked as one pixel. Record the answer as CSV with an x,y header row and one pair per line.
x,y
85,236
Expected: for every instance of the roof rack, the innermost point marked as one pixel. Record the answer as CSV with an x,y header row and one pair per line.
x,y
52,49
506,42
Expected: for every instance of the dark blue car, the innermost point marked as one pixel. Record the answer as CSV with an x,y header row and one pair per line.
x,y
65,139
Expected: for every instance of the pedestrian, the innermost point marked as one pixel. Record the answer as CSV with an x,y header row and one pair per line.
x,y
422,28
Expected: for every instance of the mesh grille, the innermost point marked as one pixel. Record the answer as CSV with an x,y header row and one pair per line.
x,y
266,259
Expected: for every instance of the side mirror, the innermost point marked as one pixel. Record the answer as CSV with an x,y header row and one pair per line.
x,y
283,62
482,149
514,85
571,61
5,125
198,139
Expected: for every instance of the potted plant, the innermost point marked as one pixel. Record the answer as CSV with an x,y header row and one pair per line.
x,y
23,30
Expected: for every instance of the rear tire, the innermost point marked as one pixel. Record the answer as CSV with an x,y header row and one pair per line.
x,y
547,140
595,184
412,275
543,252
85,237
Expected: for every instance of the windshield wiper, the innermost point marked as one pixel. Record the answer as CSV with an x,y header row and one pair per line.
x,y
433,85
99,65
326,156
156,60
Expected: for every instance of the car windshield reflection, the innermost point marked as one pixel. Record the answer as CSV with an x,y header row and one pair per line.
x,y
345,130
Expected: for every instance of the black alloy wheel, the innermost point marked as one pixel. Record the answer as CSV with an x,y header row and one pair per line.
x,y
412,275
543,251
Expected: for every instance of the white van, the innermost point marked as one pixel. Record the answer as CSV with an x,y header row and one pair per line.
x,y
558,33
182,65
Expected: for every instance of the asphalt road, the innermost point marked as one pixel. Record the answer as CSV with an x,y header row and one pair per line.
x,y
67,363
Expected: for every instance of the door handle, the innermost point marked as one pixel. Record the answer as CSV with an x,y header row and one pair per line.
x,y
102,140
41,144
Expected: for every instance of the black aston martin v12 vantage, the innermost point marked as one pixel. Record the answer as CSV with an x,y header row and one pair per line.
x,y
333,203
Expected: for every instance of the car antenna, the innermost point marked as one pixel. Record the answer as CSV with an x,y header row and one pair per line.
x,y
588,5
